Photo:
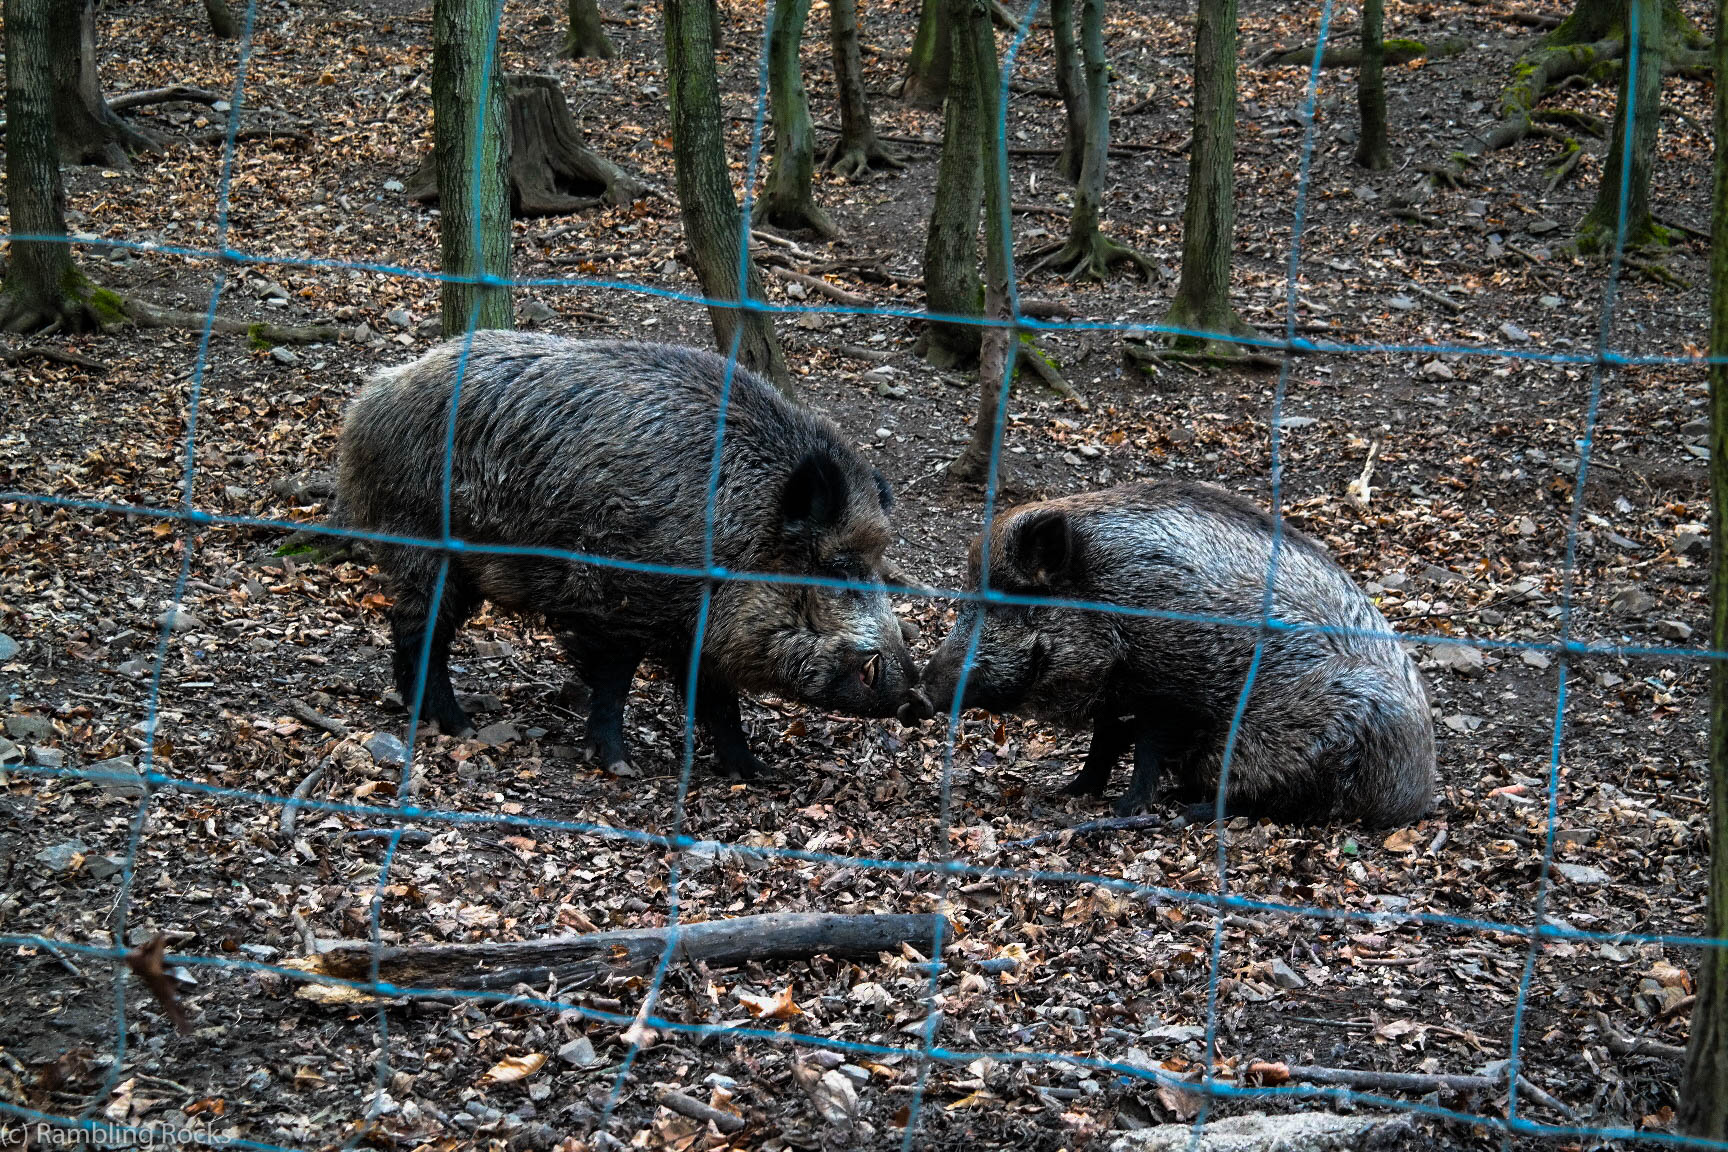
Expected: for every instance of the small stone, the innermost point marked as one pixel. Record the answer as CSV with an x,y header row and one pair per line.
x,y
1460,658
877,375
263,953
29,726
1685,544
1091,451
1364,193
579,1052
393,186
669,268
498,735
400,317
1285,976
1582,873
1632,602
998,965
796,291
1459,722
1609,679
177,619
891,391
236,493
1674,630
1438,370
60,856
1551,301
1543,227
1402,303
883,433
1514,333
43,757
1535,659
134,669
282,354
103,867
363,333
271,291
1298,422
8,647
10,753
536,313
118,776
811,321
386,749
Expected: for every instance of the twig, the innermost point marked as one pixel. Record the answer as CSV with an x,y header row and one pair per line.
x,y
318,720
1623,1045
868,355
1038,210
1677,226
57,355
291,810
817,284
1418,1082
406,835
65,961
696,1110
1415,217
1109,824
1033,360
165,96
1437,297
220,135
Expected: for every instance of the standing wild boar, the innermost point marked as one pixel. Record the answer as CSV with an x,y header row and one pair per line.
x,y
605,449
1334,724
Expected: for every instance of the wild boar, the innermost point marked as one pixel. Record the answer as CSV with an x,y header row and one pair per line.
x,y
605,449
1336,723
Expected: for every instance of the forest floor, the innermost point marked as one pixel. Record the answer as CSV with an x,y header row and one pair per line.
x,y
1476,452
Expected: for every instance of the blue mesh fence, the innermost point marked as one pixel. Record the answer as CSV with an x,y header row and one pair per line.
x,y
404,814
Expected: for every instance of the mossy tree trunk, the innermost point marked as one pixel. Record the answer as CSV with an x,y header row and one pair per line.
x,y
43,286
222,23
468,150
787,199
90,132
857,150
976,66
1088,254
585,37
1202,301
707,202
1371,148
932,58
1641,99
1594,20
1071,83
1704,1089
951,283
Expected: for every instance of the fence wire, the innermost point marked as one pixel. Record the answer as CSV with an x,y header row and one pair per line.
x,y
404,814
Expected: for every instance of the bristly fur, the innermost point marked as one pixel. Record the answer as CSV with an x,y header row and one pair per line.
x,y
605,449
1335,724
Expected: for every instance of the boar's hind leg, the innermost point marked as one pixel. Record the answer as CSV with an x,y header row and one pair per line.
x,y
1153,746
408,637
608,667
1111,736
717,713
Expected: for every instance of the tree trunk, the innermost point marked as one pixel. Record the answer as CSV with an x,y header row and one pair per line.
x,y
222,23
707,204
975,45
468,150
1704,1089
1594,20
932,58
1071,83
951,283
786,200
1641,97
1371,150
857,150
1202,301
586,37
89,131
42,286
552,172
1088,254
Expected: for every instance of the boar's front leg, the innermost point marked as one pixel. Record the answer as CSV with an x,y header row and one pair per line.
x,y
608,665
1151,748
413,654
717,713
1111,736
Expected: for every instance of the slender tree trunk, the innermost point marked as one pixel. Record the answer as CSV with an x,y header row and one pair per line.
x,y
1640,91
707,203
951,283
1704,1090
975,45
1071,83
1202,302
222,23
787,200
43,286
857,150
1088,254
1371,150
468,124
90,132
932,58
586,37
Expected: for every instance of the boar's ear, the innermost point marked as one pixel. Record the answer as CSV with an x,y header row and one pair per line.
x,y
1042,550
814,498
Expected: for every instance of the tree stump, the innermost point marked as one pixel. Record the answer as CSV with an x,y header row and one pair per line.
x,y
552,172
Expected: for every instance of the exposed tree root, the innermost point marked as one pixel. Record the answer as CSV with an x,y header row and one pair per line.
x,y
1212,354
168,95
147,315
1091,258
1349,55
795,214
56,355
854,159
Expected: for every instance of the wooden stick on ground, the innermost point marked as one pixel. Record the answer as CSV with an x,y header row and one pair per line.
x,y
578,962
1109,824
165,95
1420,1082
697,1110
57,355
147,315
317,719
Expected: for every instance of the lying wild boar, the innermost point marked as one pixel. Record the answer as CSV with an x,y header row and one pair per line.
x,y
605,449
1334,724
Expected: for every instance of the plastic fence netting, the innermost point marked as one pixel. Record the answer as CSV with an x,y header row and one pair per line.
x,y
405,815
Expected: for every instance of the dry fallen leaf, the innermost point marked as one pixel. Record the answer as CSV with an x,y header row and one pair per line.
x,y
777,1007
146,964
513,1068
1403,840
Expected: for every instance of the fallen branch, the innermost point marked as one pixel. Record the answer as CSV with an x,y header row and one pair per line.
x,y
318,720
165,96
868,355
817,284
576,962
220,135
696,1110
1439,298
1140,356
1034,361
291,810
1091,827
1341,53
57,355
147,315
1417,1082
1623,1045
